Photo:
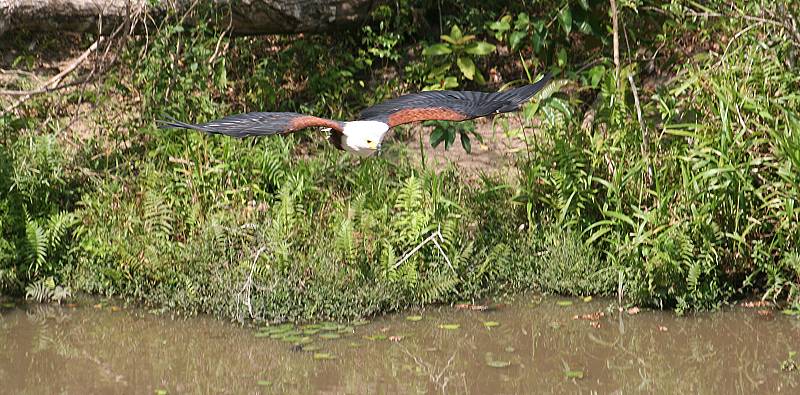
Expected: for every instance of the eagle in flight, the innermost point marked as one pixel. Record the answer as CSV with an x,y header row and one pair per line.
x,y
364,136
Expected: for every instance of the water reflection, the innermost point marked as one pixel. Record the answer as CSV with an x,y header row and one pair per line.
x,y
537,347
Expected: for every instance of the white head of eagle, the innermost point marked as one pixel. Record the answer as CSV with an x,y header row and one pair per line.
x,y
365,135
363,138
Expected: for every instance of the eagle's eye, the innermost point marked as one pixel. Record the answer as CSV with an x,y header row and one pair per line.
x,y
369,141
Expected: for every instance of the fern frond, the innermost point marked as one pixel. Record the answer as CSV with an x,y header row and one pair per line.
x,y
434,288
157,214
37,245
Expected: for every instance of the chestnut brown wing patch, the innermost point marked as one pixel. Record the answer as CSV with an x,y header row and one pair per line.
x,y
307,121
423,114
450,105
257,124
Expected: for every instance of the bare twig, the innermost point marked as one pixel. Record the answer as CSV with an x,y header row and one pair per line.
x,y
431,238
615,32
52,83
244,294
219,41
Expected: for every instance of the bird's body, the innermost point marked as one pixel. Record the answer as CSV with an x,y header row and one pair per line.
x,y
365,135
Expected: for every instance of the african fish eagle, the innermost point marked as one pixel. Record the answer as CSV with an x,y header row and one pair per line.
x,y
364,136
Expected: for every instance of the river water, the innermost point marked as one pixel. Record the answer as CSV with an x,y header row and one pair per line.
x,y
531,345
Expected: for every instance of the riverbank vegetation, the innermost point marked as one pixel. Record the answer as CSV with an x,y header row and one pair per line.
x,y
662,165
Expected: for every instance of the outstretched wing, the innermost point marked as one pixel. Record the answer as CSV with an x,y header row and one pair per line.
x,y
450,105
257,124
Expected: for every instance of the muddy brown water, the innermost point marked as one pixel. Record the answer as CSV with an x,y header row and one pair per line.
x,y
537,346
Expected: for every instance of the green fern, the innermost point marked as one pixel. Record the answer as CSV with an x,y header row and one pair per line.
x,y
344,242
58,225
413,213
434,288
37,245
157,214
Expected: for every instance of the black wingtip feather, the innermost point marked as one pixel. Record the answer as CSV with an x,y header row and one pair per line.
x,y
519,96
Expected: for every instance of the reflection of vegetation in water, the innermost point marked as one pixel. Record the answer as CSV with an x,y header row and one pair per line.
x,y
79,349
671,177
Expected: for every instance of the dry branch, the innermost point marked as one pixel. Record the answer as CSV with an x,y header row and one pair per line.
x,y
245,17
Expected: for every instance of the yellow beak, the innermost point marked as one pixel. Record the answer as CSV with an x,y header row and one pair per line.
x,y
373,145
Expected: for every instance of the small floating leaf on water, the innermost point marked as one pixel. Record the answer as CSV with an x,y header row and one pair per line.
x,y
491,324
499,364
264,383
587,299
329,336
347,329
564,303
449,327
790,312
310,331
161,392
8,305
311,347
359,323
376,337
262,334
574,374
277,329
414,318
510,349
323,355
312,326
291,339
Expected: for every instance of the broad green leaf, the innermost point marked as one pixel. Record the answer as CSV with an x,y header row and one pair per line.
x,y
522,21
479,77
562,57
466,66
515,39
449,139
565,18
437,136
449,39
501,25
450,83
466,39
480,48
465,143
437,50
455,33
